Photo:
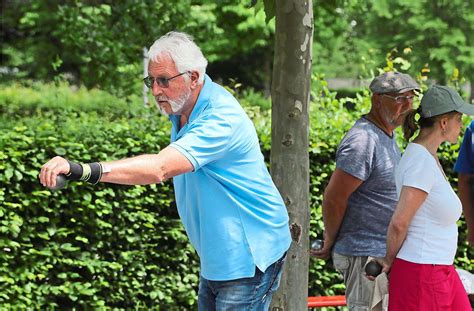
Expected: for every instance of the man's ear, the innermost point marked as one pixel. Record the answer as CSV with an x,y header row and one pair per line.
x,y
376,98
194,79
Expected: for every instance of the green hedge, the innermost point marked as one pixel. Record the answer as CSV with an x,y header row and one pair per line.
x,y
107,245
116,246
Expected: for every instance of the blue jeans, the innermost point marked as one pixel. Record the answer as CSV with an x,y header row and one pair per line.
x,y
254,293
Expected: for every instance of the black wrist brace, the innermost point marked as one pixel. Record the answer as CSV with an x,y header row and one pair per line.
x,y
89,172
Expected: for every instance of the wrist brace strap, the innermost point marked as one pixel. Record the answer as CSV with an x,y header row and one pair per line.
x,y
89,172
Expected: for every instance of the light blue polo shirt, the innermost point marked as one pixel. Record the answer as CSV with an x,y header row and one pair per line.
x,y
232,212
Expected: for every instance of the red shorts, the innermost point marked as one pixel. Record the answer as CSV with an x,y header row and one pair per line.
x,y
421,287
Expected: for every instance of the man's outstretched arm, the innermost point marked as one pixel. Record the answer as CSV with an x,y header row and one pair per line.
x,y
140,170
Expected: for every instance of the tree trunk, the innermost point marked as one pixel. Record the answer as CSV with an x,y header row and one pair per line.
x,y
290,139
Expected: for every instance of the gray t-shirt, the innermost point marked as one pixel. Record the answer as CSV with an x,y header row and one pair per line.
x,y
368,153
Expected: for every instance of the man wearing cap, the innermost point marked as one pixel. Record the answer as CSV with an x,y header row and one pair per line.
x,y
361,195
465,168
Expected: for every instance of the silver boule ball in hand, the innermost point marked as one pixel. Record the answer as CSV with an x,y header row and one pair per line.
x,y
60,182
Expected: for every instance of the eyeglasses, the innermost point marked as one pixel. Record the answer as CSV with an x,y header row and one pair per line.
x,y
400,99
162,82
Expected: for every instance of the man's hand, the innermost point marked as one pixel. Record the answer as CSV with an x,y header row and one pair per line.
x,y
383,264
324,252
51,169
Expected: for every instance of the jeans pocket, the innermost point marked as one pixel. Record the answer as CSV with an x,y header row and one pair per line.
x,y
274,276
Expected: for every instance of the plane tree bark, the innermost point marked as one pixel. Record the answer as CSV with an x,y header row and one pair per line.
x,y
290,139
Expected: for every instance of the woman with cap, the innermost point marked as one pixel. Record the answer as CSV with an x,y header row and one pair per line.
x,y
422,235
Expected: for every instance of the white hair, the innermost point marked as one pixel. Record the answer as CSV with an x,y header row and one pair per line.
x,y
181,48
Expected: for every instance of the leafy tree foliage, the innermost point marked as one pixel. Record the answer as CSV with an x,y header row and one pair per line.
x,y
100,43
439,33
236,40
338,50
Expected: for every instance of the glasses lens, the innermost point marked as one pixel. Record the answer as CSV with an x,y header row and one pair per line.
x,y
148,81
162,82
401,99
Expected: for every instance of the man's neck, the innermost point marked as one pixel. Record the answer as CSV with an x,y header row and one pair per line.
x,y
379,122
186,113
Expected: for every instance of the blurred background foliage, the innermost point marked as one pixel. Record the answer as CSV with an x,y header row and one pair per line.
x,y
70,84
99,43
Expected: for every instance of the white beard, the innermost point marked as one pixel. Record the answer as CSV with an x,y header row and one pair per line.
x,y
176,105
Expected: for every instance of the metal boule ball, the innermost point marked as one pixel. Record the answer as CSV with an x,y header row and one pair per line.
x,y
317,244
60,182
373,268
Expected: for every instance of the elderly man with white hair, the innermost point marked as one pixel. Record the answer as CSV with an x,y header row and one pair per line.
x,y
232,212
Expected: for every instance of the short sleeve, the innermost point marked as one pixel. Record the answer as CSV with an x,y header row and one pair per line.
x,y
419,173
465,160
207,139
356,155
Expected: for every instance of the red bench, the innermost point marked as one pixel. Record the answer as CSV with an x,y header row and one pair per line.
x,y
326,301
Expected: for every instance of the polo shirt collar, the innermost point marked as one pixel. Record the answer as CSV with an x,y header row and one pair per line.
x,y
201,103
203,99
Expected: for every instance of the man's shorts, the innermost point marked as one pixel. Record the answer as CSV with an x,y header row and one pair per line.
x,y
359,289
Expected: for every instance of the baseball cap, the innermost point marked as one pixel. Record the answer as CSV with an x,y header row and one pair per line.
x,y
393,82
441,99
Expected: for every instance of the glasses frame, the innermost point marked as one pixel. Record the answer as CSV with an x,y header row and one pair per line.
x,y
399,99
162,82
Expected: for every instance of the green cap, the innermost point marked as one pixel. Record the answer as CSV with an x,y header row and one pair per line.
x,y
442,99
393,82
